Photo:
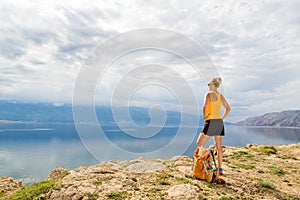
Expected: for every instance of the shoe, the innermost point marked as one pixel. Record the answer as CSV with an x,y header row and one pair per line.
x,y
220,171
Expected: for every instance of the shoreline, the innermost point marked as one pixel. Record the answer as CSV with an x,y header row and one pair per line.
x,y
254,171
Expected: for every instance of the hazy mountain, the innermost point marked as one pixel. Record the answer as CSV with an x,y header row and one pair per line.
x,y
47,112
289,118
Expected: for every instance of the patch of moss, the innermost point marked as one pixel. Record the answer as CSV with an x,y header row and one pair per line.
x,y
162,182
93,197
183,180
266,184
155,192
164,175
35,191
118,195
275,170
161,178
98,182
267,150
241,156
244,166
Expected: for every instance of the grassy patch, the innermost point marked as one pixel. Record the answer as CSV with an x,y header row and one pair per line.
x,y
93,196
183,180
156,192
266,184
267,150
162,182
118,195
164,175
161,179
208,185
275,170
98,182
244,166
242,155
36,191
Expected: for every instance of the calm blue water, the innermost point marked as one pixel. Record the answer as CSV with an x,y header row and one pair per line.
x,y
29,151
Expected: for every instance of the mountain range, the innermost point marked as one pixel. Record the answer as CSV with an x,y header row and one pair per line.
x,y
49,112
289,118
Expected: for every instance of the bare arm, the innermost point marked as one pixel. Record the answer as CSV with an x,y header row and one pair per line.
x,y
206,101
227,107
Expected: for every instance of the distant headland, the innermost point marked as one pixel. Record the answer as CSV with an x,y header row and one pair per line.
x,y
289,118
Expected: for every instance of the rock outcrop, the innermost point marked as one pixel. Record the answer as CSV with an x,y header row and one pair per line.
x,y
9,185
251,172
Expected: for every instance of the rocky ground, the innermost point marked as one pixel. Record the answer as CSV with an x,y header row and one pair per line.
x,y
251,172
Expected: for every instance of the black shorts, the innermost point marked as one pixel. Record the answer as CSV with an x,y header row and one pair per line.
x,y
214,127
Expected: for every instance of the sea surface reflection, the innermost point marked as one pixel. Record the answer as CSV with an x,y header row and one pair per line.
x,y
29,151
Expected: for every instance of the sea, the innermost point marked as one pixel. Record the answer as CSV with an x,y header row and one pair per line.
x,y
29,151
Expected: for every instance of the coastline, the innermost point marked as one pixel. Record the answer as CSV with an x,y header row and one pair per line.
x,y
251,172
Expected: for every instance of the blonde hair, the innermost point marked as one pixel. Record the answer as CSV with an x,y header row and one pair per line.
x,y
216,82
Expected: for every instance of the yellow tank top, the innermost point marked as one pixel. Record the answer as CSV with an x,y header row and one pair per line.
x,y
213,108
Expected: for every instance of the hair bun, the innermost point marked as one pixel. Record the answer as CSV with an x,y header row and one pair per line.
x,y
216,81
219,80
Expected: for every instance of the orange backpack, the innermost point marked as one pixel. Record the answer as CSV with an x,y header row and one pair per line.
x,y
203,168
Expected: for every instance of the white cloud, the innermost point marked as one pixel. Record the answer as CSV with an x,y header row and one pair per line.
x,y
254,45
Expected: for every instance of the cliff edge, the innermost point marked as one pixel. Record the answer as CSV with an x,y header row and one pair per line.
x,y
251,172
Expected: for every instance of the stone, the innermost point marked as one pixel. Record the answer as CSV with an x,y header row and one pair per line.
x,y
9,186
183,192
57,173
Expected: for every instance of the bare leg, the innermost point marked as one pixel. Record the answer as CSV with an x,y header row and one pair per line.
x,y
202,139
218,144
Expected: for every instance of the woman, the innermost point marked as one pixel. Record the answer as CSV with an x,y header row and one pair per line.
x,y
214,125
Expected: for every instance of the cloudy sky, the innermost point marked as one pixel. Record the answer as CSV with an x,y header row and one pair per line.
x,y
254,46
